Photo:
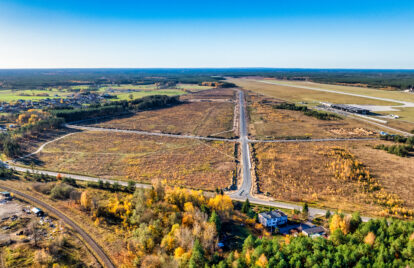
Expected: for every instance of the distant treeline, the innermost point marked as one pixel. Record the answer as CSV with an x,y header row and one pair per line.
x,y
23,79
400,150
306,111
115,108
403,149
398,138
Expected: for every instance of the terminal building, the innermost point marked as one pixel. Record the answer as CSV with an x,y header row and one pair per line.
x,y
349,108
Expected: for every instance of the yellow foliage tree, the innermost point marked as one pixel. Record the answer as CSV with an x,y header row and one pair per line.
x,y
262,261
370,238
221,203
338,222
178,252
86,200
188,207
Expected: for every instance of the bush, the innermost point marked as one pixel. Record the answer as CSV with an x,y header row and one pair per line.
x,y
61,191
306,111
70,181
400,150
44,188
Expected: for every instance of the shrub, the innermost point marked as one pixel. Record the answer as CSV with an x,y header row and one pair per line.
x,y
400,150
44,188
61,191
306,111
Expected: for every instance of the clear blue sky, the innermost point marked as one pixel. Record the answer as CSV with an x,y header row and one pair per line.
x,y
173,33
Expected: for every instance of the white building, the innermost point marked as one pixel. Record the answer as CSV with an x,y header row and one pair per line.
x,y
272,218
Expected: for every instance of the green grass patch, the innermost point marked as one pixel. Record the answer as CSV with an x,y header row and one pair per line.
x,y
14,95
137,95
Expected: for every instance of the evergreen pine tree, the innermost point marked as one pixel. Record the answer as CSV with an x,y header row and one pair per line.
x,y
197,259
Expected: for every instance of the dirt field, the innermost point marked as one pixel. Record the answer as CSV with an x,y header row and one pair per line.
x,y
269,123
18,248
302,95
212,94
186,162
198,118
317,172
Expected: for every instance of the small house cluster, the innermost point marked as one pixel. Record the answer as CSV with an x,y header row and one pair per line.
x,y
75,100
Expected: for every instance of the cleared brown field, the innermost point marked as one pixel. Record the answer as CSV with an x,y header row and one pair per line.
x,y
269,123
322,173
299,94
212,94
124,156
200,118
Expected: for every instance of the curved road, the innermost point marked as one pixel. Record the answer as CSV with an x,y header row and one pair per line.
x,y
89,240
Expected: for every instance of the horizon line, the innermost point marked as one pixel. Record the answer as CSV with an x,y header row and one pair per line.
x,y
202,68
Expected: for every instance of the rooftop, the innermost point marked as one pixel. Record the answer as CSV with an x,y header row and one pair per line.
x,y
314,230
273,214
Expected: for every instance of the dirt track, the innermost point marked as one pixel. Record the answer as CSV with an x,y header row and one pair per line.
x,y
98,251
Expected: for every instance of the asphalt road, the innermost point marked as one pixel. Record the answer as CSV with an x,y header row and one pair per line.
x,y
98,251
73,176
244,191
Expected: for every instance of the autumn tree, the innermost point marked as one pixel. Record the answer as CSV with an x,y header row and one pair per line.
x,y
221,203
337,222
262,261
86,200
370,239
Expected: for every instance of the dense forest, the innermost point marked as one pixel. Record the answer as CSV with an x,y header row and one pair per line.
x,y
377,243
41,78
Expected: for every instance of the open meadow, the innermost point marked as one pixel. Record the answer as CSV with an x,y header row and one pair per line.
x,y
126,87
140,94
346,175
7,95
195,118
181,162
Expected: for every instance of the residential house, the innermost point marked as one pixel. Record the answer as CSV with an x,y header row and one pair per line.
x,y
272,218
